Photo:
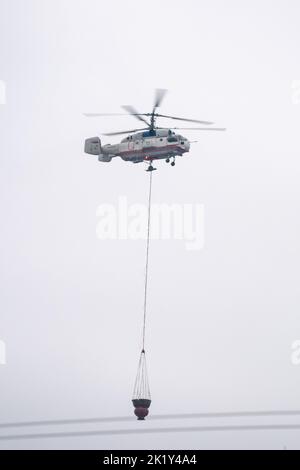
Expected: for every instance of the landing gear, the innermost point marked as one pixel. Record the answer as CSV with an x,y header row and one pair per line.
x,y
173,162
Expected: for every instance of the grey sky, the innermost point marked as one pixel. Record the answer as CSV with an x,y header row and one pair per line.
x,y
221,320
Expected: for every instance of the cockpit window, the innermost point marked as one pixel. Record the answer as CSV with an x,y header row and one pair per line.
x,y
172,138
150,133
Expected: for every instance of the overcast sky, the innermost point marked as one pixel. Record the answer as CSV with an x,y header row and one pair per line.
x,y
222,319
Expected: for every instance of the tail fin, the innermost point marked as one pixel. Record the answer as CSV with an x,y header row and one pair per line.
x,y
93,146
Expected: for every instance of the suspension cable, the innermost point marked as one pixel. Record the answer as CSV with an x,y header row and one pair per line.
x,y
147,262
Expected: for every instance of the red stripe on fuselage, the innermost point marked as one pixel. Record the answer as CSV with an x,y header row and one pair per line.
x,y
144,151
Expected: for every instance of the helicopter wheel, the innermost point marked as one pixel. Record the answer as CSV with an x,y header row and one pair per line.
x,y
167,160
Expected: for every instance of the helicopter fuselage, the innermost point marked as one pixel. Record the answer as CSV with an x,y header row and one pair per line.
x,y
142,146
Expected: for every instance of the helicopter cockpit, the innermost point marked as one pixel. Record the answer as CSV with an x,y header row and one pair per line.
x,y
172,137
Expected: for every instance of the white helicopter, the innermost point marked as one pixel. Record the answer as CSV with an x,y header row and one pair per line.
x,y
149,143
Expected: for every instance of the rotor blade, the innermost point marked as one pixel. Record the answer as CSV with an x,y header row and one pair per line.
x,y
160,93
131,110
104,114
183,119
196,128
126,132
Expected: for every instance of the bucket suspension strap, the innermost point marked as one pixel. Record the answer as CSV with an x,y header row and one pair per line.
x,y
141,394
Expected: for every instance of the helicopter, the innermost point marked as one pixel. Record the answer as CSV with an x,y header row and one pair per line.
x,y
149,143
